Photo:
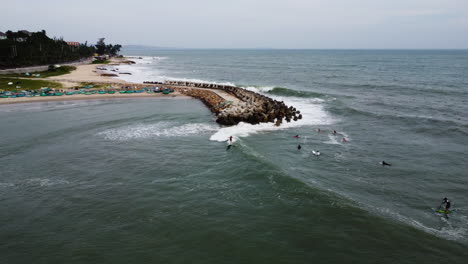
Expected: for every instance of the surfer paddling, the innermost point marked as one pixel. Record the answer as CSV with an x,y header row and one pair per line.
x,y
385,163
296,136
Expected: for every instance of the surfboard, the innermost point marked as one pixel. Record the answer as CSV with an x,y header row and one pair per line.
x,y
444,212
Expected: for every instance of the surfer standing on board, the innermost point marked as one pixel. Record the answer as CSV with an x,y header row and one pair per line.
x,y
230,140
447,203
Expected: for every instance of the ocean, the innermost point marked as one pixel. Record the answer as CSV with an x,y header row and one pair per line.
x,y
150,180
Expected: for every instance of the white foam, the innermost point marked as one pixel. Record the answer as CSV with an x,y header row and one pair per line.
x,y
46,182
194,80
345,135
311,109
160,129
144,70
261,89
332,140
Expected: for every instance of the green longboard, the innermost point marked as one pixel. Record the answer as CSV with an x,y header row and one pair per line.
x,y
443,211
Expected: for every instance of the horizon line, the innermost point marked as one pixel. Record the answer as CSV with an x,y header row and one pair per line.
x,y
214,48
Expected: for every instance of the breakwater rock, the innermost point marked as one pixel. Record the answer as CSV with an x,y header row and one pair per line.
x,y
212,100
251,107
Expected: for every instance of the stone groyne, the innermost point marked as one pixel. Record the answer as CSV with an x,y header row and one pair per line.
x,y
212,100
251,107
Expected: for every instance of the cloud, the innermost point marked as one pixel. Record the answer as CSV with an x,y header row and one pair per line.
x,y
247,23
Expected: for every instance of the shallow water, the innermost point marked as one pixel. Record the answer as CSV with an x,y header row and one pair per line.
x,y
150,180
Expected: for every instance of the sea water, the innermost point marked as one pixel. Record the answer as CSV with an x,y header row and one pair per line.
x,y
150,180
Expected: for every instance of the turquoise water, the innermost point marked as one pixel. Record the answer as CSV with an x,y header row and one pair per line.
x,y
150,180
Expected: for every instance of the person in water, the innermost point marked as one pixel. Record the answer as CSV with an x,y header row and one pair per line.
x,y
318,130
299,147
446,203
385,163
334,132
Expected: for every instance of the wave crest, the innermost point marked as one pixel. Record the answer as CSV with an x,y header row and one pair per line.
x,y
160,129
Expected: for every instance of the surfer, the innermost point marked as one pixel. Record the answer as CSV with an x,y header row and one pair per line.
x,y
230,140
334,132
296,136
318,130
299,147
316,152
385,163
344,140
447,204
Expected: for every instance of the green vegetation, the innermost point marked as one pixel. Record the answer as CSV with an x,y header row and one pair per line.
x,y
26,84
109,49
44,74
100,62
23,48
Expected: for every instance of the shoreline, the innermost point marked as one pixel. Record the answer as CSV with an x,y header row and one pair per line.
x,y
21,100
230,104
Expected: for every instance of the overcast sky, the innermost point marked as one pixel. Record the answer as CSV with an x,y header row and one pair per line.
x,y
315,24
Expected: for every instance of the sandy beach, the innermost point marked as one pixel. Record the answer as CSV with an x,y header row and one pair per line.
x,y
22,100
88,74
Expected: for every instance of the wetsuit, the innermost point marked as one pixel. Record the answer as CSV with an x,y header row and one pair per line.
x,y
447,204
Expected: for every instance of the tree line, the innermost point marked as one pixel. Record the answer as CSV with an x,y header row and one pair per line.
x,y
23,48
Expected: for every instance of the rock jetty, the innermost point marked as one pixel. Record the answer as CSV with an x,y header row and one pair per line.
x,y
253,108
212,100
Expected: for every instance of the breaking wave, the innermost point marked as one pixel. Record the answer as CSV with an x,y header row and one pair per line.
x,y
160,129
312,110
